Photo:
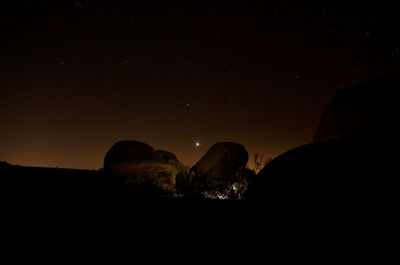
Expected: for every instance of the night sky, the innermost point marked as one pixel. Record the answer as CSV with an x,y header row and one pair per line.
x,y
77,76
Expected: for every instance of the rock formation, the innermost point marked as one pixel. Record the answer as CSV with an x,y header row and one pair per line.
x,y
352,154
313,170
220,167
144,169
367,110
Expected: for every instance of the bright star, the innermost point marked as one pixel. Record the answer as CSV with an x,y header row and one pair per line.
x,y
197,144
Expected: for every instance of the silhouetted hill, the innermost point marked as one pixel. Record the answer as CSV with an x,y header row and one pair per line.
x,y
39,180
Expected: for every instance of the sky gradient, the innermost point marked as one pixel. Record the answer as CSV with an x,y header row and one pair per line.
x,y
77,76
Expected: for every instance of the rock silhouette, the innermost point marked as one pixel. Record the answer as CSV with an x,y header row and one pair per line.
x,y
312,171
129,151
144,169
339,172
351,157
221,166
368,110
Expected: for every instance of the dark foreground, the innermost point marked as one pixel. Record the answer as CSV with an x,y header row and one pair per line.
x,y
58,215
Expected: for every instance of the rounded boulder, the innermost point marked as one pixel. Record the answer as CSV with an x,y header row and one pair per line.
x,y
144,169
221,166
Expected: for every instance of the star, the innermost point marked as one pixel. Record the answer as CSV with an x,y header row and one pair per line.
x,y
197,144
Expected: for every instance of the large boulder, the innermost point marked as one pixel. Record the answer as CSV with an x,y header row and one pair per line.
x,y
351,158
313,170
222,165
369,111
143,169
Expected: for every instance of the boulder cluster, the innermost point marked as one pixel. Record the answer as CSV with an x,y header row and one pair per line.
x,y
149,171
350,156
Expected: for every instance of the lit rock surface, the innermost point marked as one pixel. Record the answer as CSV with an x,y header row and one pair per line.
x,y
180,169
144,168
220,167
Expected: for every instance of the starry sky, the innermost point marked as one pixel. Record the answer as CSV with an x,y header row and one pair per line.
x,y
77,76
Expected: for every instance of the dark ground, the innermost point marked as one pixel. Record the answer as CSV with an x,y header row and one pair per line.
x,y
63,215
